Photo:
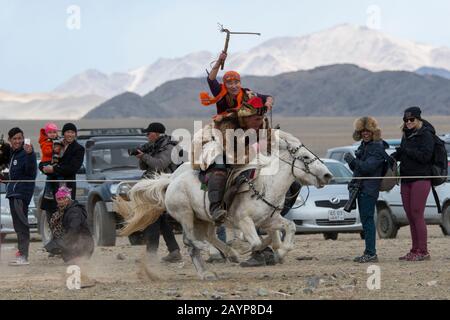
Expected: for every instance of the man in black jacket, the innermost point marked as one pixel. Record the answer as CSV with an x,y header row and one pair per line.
x,y
68,166
22,166
158,158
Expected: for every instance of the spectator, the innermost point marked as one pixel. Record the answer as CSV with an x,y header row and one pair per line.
x,y
157,158
415,154
22,166
51,148
72,237
67,167
369,162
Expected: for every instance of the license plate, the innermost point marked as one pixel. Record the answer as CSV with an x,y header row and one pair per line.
x,y
336,215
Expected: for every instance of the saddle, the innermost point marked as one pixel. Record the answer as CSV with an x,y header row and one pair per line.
x,y
235,184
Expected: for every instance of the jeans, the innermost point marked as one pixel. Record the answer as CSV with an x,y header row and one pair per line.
x,y
366,206
221,233
153,231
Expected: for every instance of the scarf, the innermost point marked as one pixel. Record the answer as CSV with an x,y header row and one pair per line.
x,y
207,100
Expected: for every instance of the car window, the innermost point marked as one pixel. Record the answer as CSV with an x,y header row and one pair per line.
x,y
112,157
339,171
447,146
2,188
337,156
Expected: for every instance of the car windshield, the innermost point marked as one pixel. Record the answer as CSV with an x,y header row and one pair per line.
x,y
113,157
339,171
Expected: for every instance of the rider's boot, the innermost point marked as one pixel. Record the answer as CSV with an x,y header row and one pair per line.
x,y
216,189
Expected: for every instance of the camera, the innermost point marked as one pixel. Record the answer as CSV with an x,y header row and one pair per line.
x,y
146,148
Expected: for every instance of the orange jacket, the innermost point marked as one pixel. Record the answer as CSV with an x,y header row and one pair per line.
x,y
46,147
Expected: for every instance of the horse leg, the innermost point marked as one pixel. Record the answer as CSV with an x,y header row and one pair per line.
x,y
227,251
282,247
195,247
248,228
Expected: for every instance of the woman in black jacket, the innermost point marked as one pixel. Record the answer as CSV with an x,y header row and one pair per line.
x,y
68,166
369,162
72,237
415,154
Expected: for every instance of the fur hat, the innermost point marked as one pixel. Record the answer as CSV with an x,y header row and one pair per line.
x,y
369,124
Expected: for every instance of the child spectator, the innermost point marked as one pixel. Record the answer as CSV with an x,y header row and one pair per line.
x,y
51,148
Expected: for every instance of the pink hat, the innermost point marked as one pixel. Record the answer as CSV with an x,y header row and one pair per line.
x,y
63,192
50,127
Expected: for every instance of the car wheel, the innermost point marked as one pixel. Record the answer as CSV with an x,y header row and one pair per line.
x,y
44,228
104,226
2,237
445,226
362,235
386,225
136,239
330,236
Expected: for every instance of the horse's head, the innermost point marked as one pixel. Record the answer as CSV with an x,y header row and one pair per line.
x,y
306,167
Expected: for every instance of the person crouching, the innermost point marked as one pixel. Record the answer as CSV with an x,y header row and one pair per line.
x,y
71,231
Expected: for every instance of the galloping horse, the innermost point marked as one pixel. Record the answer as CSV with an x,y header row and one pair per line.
x,y
181,196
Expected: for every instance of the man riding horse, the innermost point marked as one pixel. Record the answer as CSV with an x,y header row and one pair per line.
x,y
237,107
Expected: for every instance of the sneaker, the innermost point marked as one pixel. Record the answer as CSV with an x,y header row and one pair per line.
x,y
172,257
19,261
366,258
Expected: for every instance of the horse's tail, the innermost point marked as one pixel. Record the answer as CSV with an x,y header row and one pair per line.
x,y
147,203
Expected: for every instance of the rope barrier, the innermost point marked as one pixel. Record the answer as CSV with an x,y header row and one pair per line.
x,y
130,181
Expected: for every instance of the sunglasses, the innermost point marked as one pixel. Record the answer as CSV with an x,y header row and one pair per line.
x,y
409,120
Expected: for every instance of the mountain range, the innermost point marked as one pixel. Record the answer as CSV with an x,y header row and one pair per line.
x,y
336,90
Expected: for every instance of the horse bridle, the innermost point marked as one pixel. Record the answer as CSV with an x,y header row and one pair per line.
x,y
293,151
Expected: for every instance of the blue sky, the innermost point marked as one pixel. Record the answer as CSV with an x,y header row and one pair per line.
x,y
38,51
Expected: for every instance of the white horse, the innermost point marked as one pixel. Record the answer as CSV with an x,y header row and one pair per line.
x,y
181,196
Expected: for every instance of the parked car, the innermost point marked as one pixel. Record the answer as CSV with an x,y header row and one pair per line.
x,y
6,223
390,215
322,211
446,139
106,163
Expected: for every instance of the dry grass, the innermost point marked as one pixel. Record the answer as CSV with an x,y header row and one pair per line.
x,y
319,134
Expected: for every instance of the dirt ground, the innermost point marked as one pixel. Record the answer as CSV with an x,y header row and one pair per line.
x,y
315,269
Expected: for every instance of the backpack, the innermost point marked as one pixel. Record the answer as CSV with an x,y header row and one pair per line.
x,y
439,162
389,171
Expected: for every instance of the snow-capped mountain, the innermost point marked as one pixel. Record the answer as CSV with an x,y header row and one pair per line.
x,y
367,48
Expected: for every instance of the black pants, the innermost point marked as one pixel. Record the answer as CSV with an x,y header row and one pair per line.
x,y
19,214
153,231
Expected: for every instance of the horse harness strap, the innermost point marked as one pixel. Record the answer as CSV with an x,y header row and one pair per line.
x,y
260,196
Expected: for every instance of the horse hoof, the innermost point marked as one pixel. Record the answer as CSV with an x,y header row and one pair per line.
x,y
209,276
